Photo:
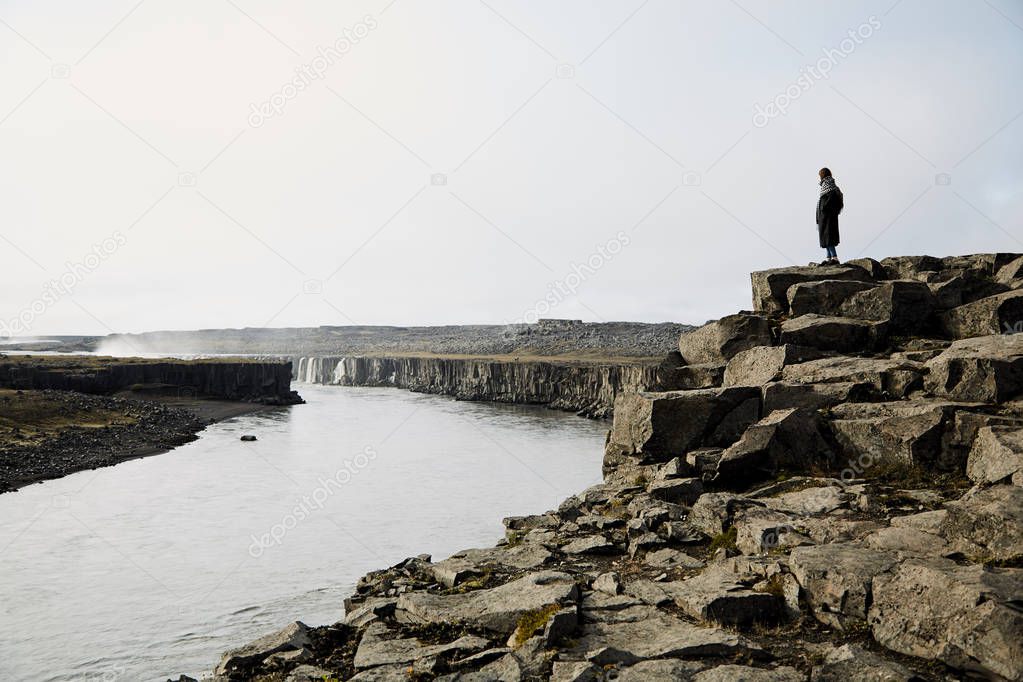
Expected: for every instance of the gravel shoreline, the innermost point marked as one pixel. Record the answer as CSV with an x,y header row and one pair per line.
x,y
145,428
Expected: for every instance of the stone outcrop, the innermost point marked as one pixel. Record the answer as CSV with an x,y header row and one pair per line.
x,y
846,506
719,341
771,287
659,426
986,369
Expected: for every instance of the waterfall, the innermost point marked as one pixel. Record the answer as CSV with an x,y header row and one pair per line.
x,y
308,370
339,371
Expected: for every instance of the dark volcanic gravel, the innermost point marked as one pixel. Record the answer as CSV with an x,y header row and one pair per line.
x,y
155,428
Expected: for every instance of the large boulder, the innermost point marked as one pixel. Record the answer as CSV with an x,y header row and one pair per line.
x,y
894,377
759,530
716,595
1010,272
717,342
966,616
985,369
693,377
842,334
785,439
784,395
999,314
990,520
763,364
770,287
656,636
954,289
824,297
907,306
381,646
911,267
657,427
497,609
713,512
897,433
838,578
997,456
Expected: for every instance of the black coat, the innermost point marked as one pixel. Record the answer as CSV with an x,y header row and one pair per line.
x,y
828,207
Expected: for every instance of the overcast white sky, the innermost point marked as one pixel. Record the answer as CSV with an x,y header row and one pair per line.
x,y
556,128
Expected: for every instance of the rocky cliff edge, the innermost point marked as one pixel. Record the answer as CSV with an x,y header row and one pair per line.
x,y
835,495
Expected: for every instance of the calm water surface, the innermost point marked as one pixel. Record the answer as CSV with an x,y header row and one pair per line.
x,y
154,567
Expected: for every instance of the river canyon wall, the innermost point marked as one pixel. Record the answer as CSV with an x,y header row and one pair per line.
x,y
263,382
585,387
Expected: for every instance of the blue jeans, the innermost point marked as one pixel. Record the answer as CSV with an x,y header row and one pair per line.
x,y
830,250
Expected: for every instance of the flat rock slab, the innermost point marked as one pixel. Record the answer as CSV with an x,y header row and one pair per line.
x,y
717,342
966,616
379,647
715,596
497,609
909,541
770,287
850,663
575,671
670,670
522,556
661,426
671,558
997,456
599,607
810,500
786,395
743,673
760,530
837,578
660,636
590,544
841,334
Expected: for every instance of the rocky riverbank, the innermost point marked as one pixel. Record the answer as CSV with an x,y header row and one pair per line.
x,y
59,415
49,434
837,495
585,386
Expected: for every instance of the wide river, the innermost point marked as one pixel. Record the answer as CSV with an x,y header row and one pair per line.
x,y
154,567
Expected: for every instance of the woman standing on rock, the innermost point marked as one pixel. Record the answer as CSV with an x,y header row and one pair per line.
x,y
829,205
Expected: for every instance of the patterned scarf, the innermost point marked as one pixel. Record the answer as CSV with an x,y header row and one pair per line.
x,y
827,184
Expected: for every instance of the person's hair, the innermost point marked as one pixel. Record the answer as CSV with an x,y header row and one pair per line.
x,y
825,173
